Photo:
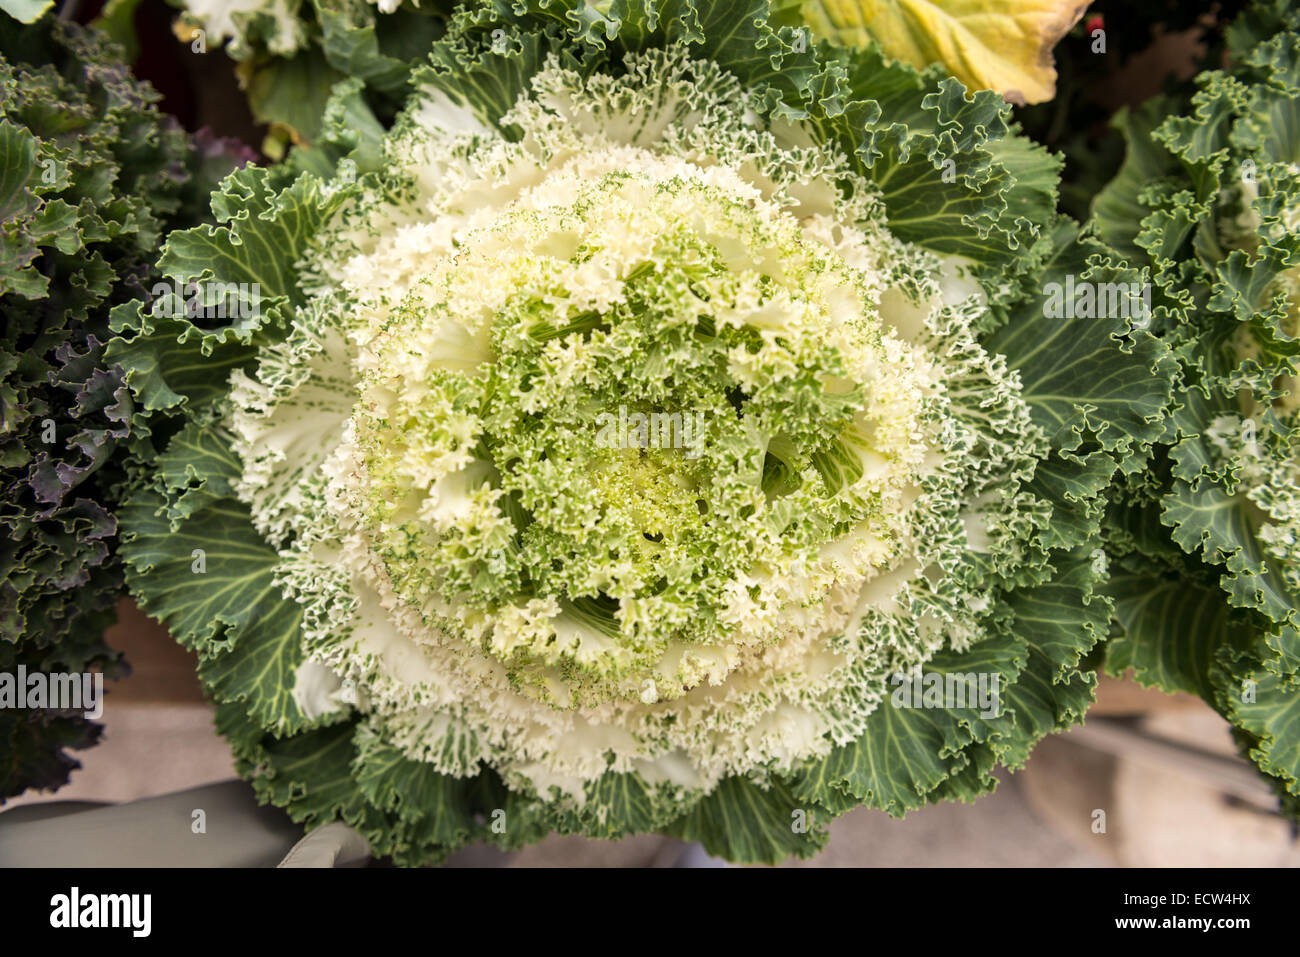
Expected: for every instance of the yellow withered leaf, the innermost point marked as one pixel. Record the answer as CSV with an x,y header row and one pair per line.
x,y
987,44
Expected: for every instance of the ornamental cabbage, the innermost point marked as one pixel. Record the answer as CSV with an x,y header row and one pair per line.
x,y
622,437
93,177
1207,543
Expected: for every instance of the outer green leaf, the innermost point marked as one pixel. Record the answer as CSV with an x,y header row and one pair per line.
x,y
748,823
1272,718
1172,630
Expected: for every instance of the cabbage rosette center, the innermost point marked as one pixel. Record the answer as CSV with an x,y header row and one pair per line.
x,y
632,443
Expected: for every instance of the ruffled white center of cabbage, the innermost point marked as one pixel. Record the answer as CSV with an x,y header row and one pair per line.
x,y
363,440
